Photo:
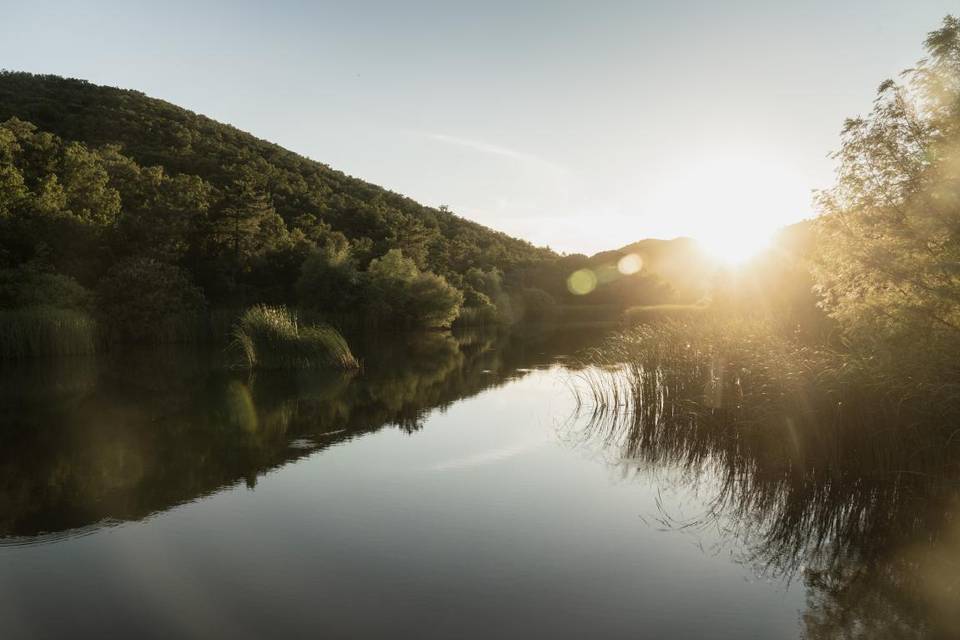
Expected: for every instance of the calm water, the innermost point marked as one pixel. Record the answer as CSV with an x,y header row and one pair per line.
x,y
448,491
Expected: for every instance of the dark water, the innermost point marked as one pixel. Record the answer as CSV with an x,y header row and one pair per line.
x,y
450,490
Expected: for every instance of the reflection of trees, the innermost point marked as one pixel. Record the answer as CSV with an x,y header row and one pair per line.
x,y
859,498
85,441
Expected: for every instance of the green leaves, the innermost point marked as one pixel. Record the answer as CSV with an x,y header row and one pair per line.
x,y
889,233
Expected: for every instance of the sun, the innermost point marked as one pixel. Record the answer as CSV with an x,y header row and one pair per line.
x,y
732,199
736,246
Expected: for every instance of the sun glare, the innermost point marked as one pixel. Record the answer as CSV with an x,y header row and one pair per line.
x,y
736,247
732,201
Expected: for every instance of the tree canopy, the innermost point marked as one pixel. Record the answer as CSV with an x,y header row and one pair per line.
x,y
889,233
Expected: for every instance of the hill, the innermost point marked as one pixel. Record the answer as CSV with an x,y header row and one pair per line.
x,y
154,133
106,190
145,214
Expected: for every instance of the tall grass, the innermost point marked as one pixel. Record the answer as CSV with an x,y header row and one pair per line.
x,y
478,317
659,312
812,459
272,338
46,331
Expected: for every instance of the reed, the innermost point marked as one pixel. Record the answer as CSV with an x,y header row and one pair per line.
x,y
478,317
649,313
46,331
272,338
812,459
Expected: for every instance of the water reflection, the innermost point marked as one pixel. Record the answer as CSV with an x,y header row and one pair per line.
x,y
859,507
858,501
86,442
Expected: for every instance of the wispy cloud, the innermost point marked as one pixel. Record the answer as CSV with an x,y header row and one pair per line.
x,y
496,150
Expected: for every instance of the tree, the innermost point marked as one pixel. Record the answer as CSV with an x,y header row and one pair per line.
x,y
431,302
397,292
329,281
889,233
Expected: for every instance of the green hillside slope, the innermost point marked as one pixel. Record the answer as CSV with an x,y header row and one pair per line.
x,y
147,216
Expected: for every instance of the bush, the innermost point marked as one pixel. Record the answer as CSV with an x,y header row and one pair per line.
x,y
398,293
31,286
538,305
271,338
144,300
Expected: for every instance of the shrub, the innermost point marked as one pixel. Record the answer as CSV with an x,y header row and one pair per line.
x,y
538,305
271,338
31,286
145,300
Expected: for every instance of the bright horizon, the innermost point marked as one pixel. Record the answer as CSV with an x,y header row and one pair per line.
x,y
582,128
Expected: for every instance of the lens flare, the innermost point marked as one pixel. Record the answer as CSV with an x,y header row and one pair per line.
x,y
582,282
630,264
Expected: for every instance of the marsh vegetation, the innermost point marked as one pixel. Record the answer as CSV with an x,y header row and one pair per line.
x,y
824,473
273,338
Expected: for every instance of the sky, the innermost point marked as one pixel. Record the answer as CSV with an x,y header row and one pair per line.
x,y
578,125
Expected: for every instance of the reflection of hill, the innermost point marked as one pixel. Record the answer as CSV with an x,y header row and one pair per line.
x,y
860,502
84,442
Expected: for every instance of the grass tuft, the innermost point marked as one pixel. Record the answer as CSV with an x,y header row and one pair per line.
x,y
272,338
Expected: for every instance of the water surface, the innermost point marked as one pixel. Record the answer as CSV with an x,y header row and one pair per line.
x,y
448,490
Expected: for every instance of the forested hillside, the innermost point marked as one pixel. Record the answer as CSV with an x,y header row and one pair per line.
x,y
283,198
147,215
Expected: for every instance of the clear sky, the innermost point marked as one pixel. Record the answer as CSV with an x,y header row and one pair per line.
x,y
580,125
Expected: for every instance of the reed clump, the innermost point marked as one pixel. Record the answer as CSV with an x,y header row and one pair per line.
x,y
806,453
46,331
272,338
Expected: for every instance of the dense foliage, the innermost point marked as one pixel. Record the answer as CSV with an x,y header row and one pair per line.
x,y
105,187
889,259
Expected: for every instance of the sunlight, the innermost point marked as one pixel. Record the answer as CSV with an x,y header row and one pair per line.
x,y
731,201
736,246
